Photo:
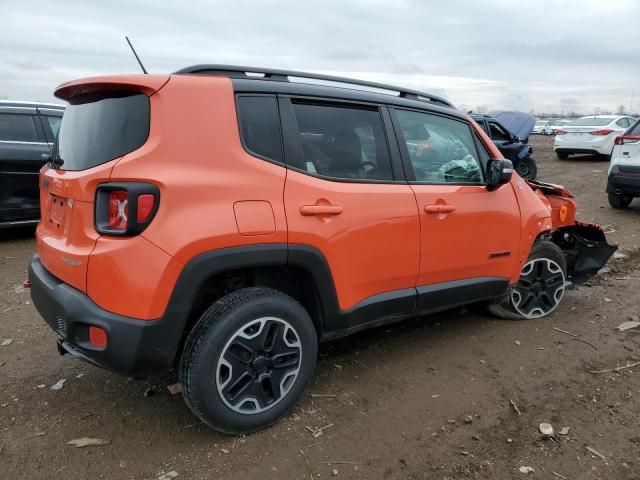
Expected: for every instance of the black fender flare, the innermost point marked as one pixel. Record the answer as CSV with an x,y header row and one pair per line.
x,y
207,264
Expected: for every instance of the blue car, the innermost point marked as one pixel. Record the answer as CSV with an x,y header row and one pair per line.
x,y
510,133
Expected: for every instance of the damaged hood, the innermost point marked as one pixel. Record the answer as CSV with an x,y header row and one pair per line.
x,y
518,123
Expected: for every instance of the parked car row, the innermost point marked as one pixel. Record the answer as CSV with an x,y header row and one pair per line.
x,y
549,126
27,132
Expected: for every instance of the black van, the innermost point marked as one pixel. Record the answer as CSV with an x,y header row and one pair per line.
x,y
27,132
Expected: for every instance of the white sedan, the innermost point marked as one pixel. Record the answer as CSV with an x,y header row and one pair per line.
x,y
594,134
540,127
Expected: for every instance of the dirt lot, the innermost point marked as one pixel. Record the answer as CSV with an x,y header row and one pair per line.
x,y
427,398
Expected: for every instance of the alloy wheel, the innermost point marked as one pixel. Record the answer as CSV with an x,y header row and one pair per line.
x,y
259,365
539,289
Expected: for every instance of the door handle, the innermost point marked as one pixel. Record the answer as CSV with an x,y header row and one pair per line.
x,y
308,210
439,208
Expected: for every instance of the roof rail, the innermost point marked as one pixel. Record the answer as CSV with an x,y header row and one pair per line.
x,y
283,76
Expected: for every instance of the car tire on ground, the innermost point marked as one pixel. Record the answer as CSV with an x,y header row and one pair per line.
x,y
562,156
248,360
540,288
527,168
619,201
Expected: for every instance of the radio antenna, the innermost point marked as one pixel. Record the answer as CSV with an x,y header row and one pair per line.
x,y
144,70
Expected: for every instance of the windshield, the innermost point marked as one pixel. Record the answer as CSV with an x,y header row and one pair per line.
x,y
590,122
99,128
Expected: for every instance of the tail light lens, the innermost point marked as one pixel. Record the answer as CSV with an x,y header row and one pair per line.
x,y
627,139
125,208
118,210
602,133
561,132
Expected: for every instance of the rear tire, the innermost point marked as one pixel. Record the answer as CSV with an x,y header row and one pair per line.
x,y
527,168
619,201
562,156
248,360
540,288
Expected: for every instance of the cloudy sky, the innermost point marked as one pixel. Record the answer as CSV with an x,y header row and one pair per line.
x,y
559,55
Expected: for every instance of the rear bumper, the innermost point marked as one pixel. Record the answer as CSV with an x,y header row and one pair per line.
x,y
624,180
134,347
578,150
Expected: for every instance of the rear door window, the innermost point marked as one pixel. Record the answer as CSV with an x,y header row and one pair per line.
x,y
99,128
343,142
635,130
18,128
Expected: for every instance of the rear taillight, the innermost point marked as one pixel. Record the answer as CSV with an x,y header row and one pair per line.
x,y
118,210
125,208
561,132
627,139
602,133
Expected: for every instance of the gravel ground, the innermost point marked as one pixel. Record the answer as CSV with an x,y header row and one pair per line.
x,y
427,398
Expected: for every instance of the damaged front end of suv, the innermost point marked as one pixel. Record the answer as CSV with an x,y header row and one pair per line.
x,y
583,244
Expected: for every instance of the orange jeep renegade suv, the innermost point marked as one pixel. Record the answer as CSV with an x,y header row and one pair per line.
x,y
223,220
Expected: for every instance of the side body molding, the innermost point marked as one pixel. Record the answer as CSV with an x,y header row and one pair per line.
x,y
373,311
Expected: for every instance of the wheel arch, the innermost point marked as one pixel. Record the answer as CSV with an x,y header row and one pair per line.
x,y
299,271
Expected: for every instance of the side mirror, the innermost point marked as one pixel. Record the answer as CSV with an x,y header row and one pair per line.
x,y
515,139
499,172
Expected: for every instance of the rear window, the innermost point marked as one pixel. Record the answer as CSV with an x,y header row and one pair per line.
x,y
590,122
96,129
17,128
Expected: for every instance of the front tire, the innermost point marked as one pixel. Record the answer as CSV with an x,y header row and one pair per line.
x,y
620,201
527,168
540,288
248,360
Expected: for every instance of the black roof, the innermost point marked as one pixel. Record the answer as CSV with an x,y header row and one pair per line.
x,y
276,75
20,104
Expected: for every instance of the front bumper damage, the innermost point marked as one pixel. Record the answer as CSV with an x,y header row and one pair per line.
x,y
584,245
586,249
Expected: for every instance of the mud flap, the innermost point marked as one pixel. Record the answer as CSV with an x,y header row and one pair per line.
x,y
586,249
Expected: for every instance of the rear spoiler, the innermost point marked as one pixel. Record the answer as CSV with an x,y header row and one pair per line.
x,y
147,84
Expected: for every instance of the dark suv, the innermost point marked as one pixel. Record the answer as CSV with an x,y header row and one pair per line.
x,y
27,132
510,145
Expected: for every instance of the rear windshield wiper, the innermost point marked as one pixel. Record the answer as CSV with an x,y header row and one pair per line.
x,y
53,159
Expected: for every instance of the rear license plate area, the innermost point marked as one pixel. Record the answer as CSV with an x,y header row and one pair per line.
x,y
57,211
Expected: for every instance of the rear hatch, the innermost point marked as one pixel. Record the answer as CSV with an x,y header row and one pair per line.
x,y
107,118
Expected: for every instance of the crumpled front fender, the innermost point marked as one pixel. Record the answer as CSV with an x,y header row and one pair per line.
x,y
586,249
584,245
